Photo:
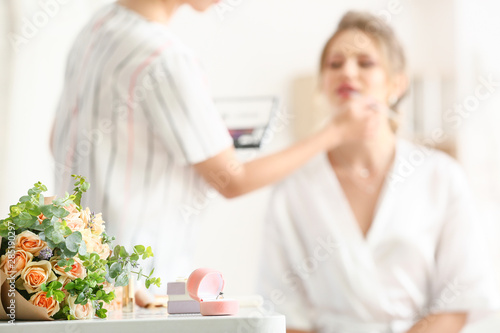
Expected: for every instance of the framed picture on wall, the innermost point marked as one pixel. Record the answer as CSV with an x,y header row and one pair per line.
x,y
248,118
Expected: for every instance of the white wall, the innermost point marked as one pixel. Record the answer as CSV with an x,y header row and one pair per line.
x,y
477,53
37,66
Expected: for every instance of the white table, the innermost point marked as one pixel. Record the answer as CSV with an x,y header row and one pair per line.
x,y
249,320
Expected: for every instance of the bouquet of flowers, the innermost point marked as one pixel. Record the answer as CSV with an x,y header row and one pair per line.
x,y
56,260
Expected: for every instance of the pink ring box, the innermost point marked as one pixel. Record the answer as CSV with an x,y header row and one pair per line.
x,y
205,285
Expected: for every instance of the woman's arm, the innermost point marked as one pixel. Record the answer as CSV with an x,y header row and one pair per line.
x,y
232,178
441,323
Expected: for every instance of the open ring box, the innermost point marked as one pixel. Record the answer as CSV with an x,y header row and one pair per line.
x,y
205,285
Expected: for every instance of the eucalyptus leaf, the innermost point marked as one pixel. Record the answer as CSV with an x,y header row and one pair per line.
x,y
47,210
73,241
81,299
25,220
123,252
139,249
60,212
122,280
82,250
115,270
35,211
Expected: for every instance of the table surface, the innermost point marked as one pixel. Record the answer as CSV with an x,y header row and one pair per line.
x,y
248,320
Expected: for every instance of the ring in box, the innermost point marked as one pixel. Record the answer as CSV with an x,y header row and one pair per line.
x,y
205,285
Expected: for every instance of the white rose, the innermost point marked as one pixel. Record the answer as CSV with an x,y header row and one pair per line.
x,y
80,311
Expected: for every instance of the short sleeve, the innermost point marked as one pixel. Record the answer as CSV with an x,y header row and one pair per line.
x,y
184,115
464,280
279,284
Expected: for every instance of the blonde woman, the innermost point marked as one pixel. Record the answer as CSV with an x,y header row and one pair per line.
x,y
354,242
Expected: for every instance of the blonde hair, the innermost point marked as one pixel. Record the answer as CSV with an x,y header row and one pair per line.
x,y
385,38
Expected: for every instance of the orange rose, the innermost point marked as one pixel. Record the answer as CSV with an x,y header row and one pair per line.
x,y
34,275
80,311
64,281
93,221
41,218
40,299
74,222
77,269
71,208
13,266
29,242
94,244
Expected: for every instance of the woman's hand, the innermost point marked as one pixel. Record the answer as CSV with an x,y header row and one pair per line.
x,y
441,323
356,120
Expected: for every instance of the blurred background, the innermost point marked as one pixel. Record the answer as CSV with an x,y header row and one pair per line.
x,y
271,48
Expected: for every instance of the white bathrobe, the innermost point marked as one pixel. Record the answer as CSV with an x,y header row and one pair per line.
x,y
423,254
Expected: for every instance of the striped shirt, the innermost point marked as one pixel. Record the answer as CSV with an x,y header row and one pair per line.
x,y
134,115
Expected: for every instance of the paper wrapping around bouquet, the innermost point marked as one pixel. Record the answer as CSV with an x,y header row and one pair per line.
x,y
24,310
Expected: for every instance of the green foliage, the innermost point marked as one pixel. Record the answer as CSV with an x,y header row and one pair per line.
x,y
81,186
120,266
53,290
66,246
